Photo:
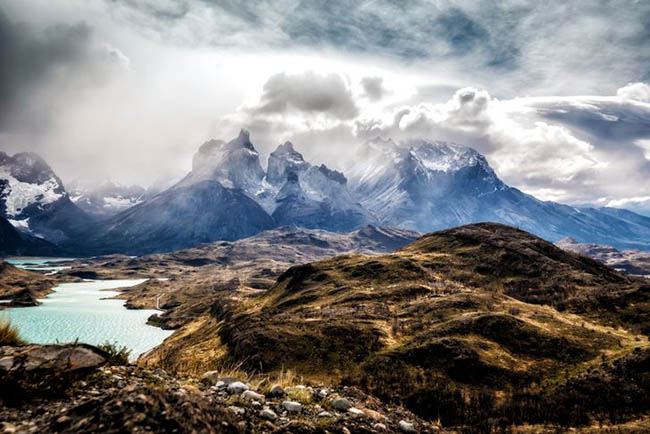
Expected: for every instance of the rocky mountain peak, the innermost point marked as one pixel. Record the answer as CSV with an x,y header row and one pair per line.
x,y
242,141
283,160
235,164
333,175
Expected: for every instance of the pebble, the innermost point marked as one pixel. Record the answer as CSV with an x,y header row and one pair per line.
x,y
8,428
405,426
355,412
325,414
292,406
253,396
341,404
380,427
237,410
372,414
323,393
268,414
237,388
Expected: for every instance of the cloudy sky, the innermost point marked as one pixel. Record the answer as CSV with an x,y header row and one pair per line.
x,y
556,94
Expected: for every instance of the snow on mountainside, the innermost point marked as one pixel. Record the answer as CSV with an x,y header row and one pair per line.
x,y
427,186
107,198
26,180
311,196
34,200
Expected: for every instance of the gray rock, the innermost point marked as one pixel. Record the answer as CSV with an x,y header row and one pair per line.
x,y
292,406
253,396
405,426
237,388
268,414
325,414
237,410
50,359
341,404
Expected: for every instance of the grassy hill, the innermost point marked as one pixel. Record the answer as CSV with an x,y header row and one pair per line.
x,y
481,325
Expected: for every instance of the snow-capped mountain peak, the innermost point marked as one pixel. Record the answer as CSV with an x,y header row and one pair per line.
x,y
33,198
26,181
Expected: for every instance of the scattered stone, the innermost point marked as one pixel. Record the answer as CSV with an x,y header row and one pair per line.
x,y
237,388
49,359
253,396
341,404
7,428
380,427
355,412
372,414
323,393
292,406
237,410
405,426
268,414
277,392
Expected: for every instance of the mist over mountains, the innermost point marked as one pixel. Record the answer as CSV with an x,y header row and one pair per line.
x,y
422,185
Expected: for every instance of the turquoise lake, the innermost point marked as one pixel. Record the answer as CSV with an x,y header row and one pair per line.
x,y
80,311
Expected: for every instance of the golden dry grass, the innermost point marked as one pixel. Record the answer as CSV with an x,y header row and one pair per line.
x,y
9,334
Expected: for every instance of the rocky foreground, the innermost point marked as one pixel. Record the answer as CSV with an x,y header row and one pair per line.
x,y
74,388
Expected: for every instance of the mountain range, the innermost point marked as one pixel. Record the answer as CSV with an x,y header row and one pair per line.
x,y
421,185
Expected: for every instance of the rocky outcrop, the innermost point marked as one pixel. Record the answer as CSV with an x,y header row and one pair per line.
x,y
136,400
50,359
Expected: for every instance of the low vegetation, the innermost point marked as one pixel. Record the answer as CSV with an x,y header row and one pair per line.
x,y
9,334
116,355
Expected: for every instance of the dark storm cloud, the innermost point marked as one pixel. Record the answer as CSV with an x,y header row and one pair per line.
x,y
33,61
308,92
28,59
610,122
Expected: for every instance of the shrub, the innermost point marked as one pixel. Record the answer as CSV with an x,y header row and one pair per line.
x,y
9,334
117,355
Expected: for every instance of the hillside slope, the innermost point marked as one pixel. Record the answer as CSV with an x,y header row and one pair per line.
x,y
470,324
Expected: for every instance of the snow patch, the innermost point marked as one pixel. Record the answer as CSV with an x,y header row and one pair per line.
x,y
20,195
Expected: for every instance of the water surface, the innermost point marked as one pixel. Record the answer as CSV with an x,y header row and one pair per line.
x,y
79,311
39,264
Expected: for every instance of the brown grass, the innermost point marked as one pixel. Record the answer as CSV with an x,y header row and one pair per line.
x,y
9,334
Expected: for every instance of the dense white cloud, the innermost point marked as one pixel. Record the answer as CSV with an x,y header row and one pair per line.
x,y
635,91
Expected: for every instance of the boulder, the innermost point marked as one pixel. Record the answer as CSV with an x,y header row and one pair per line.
x,y
51,359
